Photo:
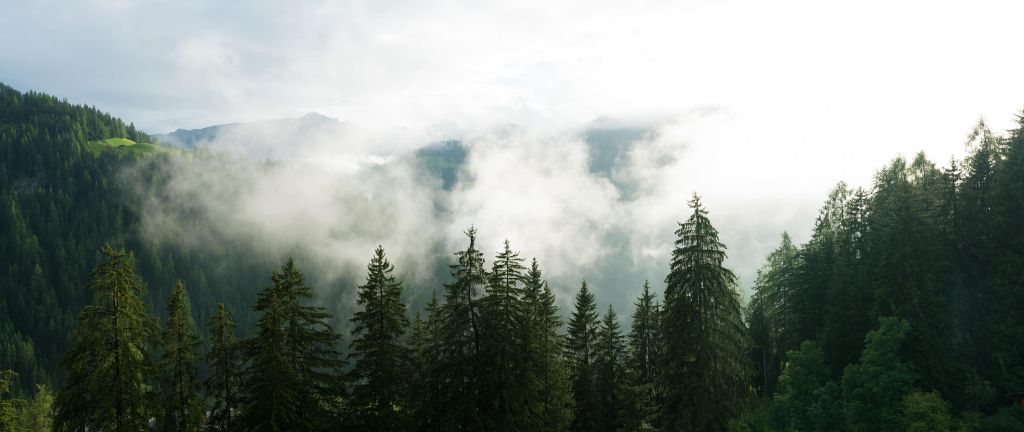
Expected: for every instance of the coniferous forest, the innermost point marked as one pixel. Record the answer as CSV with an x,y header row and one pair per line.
x,y
903,312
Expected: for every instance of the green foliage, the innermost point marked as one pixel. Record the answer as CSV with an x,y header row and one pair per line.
x,y
459,366
181,408
543,353
926,412
37,414
874,388
8,408
222,383
581,353
704,364
379,391
109,362
611,351
293,379
807,396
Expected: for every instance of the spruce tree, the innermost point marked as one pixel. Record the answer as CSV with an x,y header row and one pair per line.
x,y
544,353
507,379
380,395
704,370
109,358
769,314
581,352
271,386
609,362
181,408
293,381
426,389
642,363
459,342
223,381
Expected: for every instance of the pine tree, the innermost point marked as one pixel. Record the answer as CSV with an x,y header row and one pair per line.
x,y
459,342
109,360
426,388
769,315
704,372
581,352
271,386
380,395
610,355
507,379
544,353
181,408
222,383
640,408
293,379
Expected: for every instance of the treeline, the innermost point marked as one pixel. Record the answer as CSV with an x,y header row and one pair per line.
x,y
490,354
941,251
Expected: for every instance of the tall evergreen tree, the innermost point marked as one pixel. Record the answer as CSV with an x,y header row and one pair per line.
x,y
271,386
640,409
426,390
293,381
459,342
223,380
109,359
769,314
611,350
507,378
581,352
704,370
181,408
544,353
380,395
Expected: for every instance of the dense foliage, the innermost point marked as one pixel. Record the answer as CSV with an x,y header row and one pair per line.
x,y
902,312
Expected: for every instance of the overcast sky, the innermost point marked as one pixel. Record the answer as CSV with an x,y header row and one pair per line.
x,y
767,103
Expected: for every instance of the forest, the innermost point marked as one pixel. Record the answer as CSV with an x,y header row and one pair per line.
x,y
901,313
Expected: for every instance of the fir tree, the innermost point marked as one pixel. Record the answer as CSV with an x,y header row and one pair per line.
x,y
581,352
609,362
426,389
222,383
293,378
271,385
459,342
109,361
380,395
544,353
507,379
181,408
704,372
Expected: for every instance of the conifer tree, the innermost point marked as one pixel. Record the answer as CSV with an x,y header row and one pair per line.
x,y
459,342
581,352
293,381
609,362
380,394
109,361
222,383
507,379
426,390
544,353
704,370
639,400
181,408
271,386
769,314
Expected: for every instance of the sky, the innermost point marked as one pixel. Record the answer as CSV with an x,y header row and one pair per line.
x,y
760,107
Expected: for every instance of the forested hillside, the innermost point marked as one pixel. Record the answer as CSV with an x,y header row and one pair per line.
x,y
903,312
64,195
